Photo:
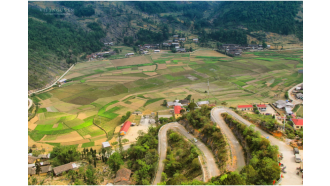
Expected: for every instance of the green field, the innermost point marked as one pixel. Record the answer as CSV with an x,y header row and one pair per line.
x,y
44,96
89,144
94,91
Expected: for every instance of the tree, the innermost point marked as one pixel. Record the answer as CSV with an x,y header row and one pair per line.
x,y
164,102
196,164
115,161
38,167
30,150
224,103
120,145
192,106
114,143
264,45
90,177
125,140
173,50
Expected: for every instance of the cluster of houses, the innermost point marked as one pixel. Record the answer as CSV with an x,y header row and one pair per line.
x,y
46,167
236,49
286,105
108,44
260,107
99,55
177,105
299,92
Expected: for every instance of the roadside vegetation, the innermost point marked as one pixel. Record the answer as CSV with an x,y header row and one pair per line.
x,y
263,167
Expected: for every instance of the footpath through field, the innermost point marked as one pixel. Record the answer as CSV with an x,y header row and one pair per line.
x,y
212,168
290,178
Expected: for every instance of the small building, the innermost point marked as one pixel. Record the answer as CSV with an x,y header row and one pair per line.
x,y
31,171
174,103
180,49
106,144
298,88
156,51
62,81
176,44
184,102
281,104
244,107
262,107
177,112
299,96
195,40
44,156
297,123
175,36
137,112
125,128
288,110
182,39
32,159
122,177
200,103
63,168
129,54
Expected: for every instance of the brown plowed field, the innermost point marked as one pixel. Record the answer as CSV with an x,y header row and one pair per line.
x,y
131,61
161,66
150,73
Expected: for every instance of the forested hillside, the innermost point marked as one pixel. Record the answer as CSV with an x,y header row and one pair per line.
x,y
57,40
54,45
272,16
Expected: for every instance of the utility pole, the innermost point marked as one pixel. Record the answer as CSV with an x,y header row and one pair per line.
x,y
208,91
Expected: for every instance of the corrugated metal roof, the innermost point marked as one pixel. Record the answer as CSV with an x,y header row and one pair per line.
x,y
126,126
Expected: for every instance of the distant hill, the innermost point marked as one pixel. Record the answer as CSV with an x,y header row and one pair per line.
x,y
62,33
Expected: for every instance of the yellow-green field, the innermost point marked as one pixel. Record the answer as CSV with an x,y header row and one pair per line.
x,y
90,105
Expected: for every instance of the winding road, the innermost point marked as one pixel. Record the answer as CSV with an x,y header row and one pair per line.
x,y
237,153
290,178
30,103
212,168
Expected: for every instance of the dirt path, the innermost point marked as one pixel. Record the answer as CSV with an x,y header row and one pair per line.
x,y
30,103
212,168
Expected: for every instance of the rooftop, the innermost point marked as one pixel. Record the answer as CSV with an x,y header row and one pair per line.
x,y
298,122
244,106
177,109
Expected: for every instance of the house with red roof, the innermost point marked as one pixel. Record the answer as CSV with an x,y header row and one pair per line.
x,y
262,107
125,128
244,107
177,112
297,123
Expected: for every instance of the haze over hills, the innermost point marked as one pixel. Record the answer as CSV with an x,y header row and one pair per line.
x,y
58,40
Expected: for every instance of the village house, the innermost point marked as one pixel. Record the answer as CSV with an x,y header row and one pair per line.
x,y
262,107
195,40
122,177
125,127
45,168
245,107
177,112
297,123
281,104
173,103
184,102
137,112
176,44
182,39
175,36
129,54
200,103
180,49
106,144
44,156
63,168
32,159
299,96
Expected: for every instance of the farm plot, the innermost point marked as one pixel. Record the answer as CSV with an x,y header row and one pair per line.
x,y
44,96
210,53
131,61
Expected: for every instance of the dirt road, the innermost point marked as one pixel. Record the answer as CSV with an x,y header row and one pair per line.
x,y
212,168
290,178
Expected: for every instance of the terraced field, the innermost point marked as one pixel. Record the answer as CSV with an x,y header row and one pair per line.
x,y
89,107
